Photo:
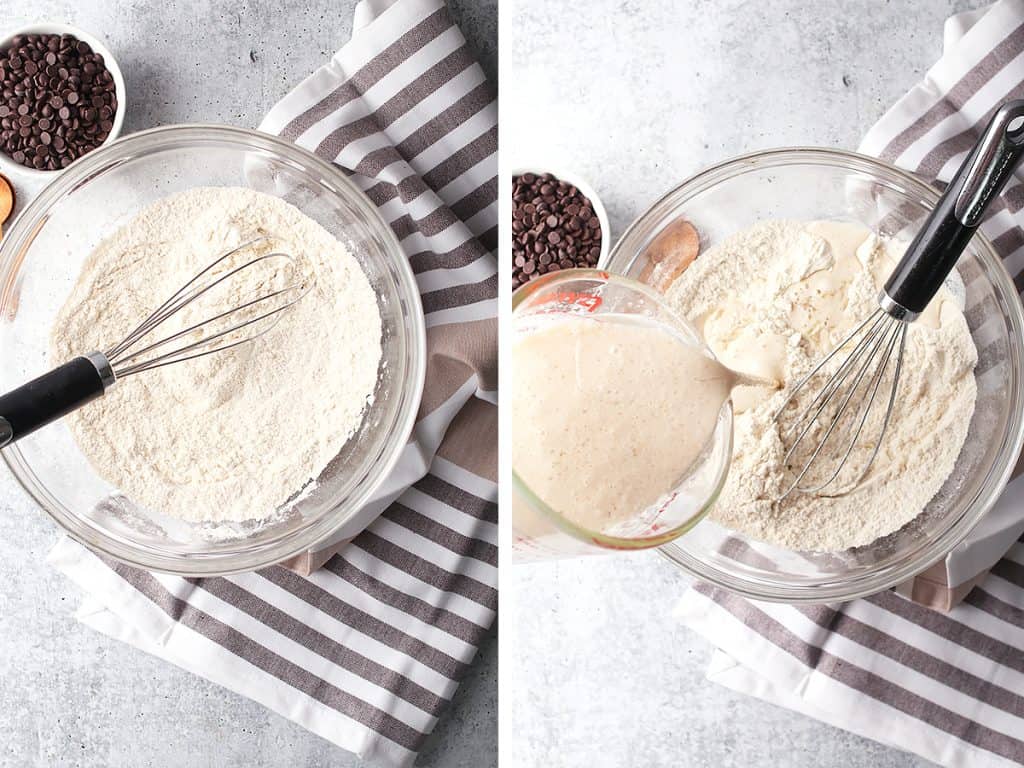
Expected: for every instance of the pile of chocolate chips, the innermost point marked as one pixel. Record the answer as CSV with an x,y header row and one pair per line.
x,y
57,100
553,227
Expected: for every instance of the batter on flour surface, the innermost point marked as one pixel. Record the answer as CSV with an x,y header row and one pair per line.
x,y
231,436
771,301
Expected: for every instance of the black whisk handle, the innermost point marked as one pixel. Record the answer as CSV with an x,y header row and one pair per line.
x,y
53,395
945,234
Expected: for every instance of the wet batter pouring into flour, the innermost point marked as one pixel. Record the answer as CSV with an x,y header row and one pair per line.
x,y
805,285
234,435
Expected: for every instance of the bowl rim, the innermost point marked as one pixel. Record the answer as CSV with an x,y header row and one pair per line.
x,y
12,169
206,564
990,491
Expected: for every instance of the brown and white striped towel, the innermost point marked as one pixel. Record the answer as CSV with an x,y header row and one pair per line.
x,y
947,686
368,650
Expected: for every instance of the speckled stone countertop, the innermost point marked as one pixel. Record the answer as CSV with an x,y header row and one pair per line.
x,y
635,96
72,697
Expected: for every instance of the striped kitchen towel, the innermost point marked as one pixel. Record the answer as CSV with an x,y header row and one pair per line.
x,y
368,649
947,686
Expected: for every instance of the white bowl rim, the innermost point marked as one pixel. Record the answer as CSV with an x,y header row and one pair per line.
x,y
12,169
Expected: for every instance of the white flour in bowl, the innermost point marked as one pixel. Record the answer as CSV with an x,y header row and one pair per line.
x,y
234,435
771,301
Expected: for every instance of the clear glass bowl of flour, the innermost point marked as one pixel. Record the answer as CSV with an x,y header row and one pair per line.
x,y
40,258
815,184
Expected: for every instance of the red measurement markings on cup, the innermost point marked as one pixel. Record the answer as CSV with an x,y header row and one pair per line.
x,y
565,301
656,527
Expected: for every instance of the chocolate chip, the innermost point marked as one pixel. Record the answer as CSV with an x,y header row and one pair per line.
x,y
57,100
554,228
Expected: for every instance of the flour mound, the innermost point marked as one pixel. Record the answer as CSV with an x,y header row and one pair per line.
x,y
779,296
234,435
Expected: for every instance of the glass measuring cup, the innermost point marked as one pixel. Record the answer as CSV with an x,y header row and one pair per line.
x,y
539,530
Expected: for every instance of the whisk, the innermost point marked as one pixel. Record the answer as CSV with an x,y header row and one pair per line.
x,y
881,338
72,385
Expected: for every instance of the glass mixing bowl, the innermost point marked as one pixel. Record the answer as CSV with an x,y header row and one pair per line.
x,y
40,259
828,184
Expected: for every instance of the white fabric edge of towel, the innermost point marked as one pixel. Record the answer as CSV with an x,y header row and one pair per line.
x,y
783,680
120,611
957,58
956,26
367,11
366,42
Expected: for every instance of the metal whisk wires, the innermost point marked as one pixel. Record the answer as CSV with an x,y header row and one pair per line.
x,y
879,336
918,276
250,301
239,324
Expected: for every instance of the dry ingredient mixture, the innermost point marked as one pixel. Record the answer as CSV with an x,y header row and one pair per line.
x,y
231,436
584,441
771,301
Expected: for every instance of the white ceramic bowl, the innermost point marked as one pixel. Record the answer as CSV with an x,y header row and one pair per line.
x,y
588,191
19,173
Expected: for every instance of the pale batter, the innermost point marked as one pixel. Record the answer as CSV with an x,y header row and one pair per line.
x,y
235,435
609,415
771,301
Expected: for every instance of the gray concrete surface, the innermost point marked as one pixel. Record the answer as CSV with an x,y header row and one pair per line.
x,y
636,95
69,696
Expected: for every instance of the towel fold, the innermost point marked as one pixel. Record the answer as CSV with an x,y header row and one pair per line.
x,y
364,640
948,686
